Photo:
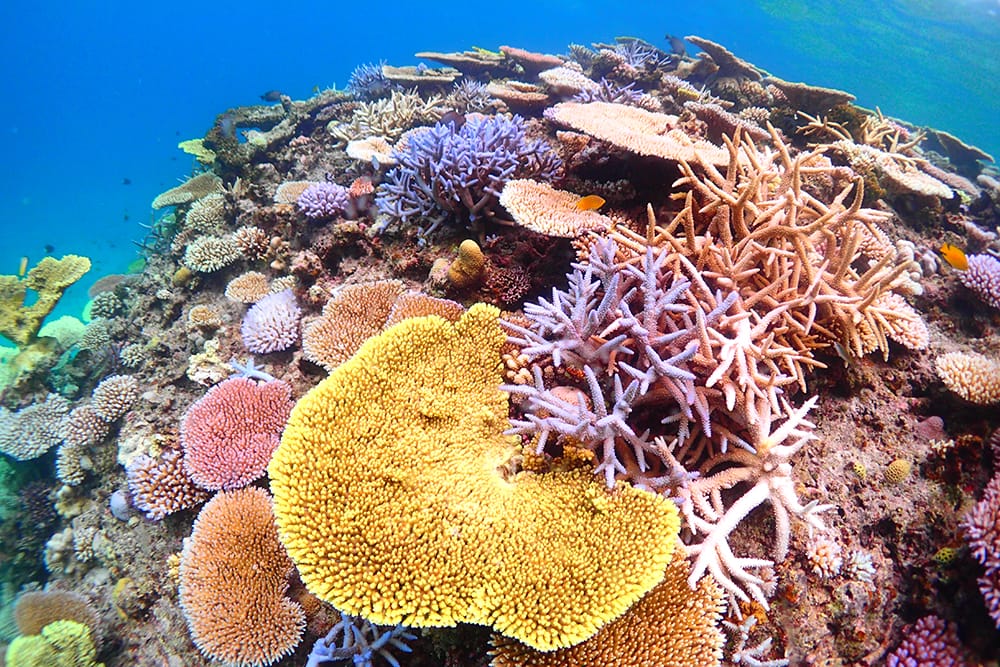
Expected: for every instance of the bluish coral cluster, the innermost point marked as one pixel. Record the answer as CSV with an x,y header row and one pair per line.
x,y
355,641
609,91
368,83
983,277
458,170
323,200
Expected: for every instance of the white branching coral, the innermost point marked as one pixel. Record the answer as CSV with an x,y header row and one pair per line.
x,y
767,475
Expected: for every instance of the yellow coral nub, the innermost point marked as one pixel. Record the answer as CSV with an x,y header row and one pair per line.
x,y
466,270
394,497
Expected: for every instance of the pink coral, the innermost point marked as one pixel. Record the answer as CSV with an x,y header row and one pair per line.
x,y
930,642
983,277
230,433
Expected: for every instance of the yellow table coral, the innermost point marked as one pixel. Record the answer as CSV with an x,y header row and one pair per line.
x,y
394,498
49,279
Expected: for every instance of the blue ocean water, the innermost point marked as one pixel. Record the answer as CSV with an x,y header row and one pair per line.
x,y
97,95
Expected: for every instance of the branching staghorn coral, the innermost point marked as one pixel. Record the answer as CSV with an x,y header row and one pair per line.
x,y
625,332
767,471
459,171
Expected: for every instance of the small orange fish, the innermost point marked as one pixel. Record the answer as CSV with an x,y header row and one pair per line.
x,y
23,268
589,203
954,256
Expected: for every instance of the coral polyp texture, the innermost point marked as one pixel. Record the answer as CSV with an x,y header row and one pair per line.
x,y
431,531
229,434
733,412
233,577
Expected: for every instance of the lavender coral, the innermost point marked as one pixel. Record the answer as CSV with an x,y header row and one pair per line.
x,y
930,642
629,332
983,277
982,531
323,200
459,171
272,324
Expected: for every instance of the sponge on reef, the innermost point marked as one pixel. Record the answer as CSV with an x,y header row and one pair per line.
x,y
395,497
49,278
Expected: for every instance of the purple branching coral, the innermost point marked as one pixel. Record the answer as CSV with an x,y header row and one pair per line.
x,y
630,328
983,277
609,91
368,83
930,642
982,531
356,641
454,171
321,201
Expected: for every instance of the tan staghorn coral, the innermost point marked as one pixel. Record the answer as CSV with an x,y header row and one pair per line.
x,y
543,209
671,626
974,377
233,578
20,322
356,313
636,130
433,528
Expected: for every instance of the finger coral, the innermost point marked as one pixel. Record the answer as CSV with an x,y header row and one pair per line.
x,y
432,526
19,321
229,434
671,626
233,578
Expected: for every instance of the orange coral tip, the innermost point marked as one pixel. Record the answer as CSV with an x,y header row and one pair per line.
x,y
589,203
954,256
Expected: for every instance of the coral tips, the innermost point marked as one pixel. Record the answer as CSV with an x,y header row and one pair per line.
x,y
590,203
954,256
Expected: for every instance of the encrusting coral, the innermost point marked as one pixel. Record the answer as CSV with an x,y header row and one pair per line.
x,y
431,530
19,321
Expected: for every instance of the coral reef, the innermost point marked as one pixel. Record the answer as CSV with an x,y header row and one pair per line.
x,y
735,411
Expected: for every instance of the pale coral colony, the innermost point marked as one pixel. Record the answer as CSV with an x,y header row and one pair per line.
x,y
615,357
